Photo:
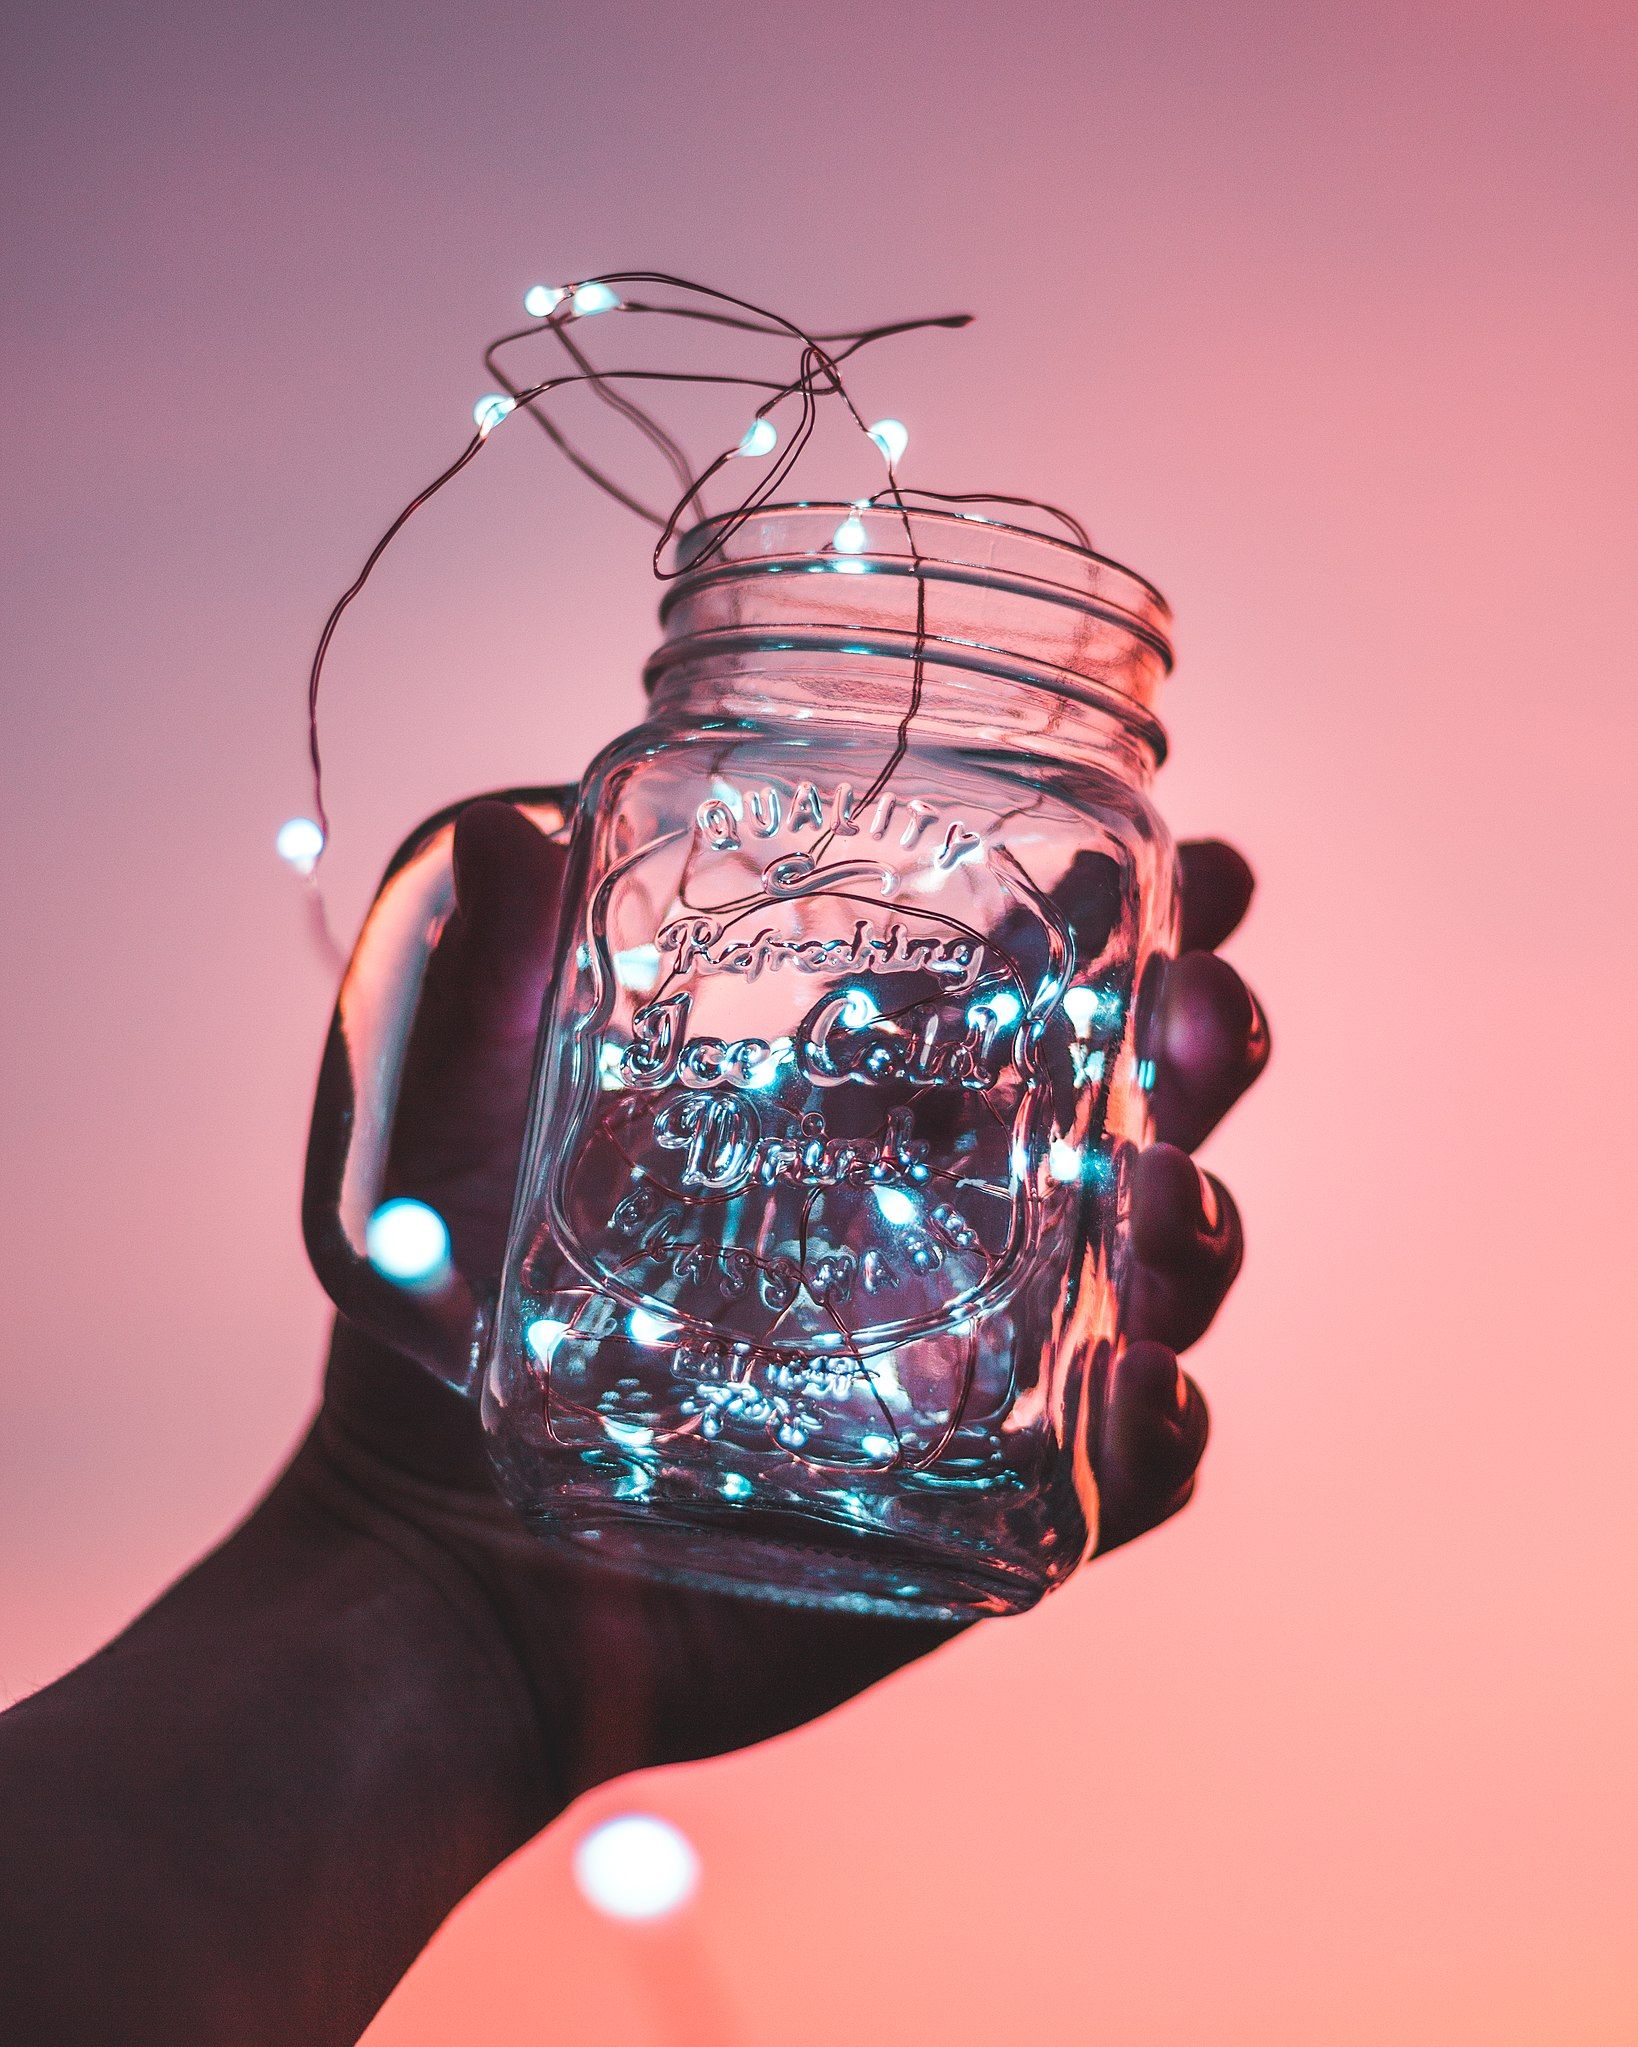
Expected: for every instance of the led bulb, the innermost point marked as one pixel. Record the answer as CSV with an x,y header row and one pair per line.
x,y
1087,1006
541,299
761,437
638,967
1064,1160
407,1242
649,1329
892,436
896,1206
595,298
490,410
1003,1007
636,1867
543,1336
850,537
765,1073
300,842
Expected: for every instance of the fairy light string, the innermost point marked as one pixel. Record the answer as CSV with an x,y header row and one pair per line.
x,y
819,374
776,443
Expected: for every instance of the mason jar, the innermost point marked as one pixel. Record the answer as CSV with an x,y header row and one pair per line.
x,y
815,1259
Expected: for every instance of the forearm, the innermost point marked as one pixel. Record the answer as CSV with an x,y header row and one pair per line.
x,y
242,1820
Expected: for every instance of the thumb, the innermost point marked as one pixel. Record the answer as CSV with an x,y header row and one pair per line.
x,y
463,1099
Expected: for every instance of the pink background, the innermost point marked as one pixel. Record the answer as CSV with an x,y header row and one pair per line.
x,y
1323,317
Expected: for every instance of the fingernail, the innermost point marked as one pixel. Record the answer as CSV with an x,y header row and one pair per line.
x,y
1257,1040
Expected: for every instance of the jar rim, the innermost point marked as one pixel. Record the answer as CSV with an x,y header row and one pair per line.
x,y
1081,574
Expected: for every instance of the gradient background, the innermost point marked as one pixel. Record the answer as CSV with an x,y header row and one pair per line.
x,y
1324,318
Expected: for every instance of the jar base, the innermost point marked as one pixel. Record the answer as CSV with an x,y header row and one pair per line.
x,y
790,1560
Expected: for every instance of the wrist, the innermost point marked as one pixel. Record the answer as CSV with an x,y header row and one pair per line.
x,y
311,1748
427,1626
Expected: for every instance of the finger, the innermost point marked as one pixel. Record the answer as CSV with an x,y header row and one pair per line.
x,y
1187,1248
1213,1043
487,976
1151,1439
462,1104
496,949
1217,886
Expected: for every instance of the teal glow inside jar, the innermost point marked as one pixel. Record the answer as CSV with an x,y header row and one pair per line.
x,y
820,1222
814,1265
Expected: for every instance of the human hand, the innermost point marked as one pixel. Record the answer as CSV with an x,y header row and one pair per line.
x,y
623,1673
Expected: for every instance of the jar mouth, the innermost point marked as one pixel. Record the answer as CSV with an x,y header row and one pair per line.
x,y
949,548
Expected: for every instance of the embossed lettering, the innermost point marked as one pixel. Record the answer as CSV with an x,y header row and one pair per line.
x,y
716,1133
702,945
718,825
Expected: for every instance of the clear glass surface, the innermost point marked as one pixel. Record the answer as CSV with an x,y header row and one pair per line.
x,y
814,1270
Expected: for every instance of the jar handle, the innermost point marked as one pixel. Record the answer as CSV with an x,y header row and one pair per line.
x,y
436,1317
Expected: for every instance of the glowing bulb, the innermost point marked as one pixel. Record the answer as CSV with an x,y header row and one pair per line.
x,y
541,299
490,410
765,1073
895,1205
300,842
636,1867
1085,1006
877,1446
850,537
407,1242
645,1327
725,792
1063,1160
595,298
1003,1007
544,1335
859,1008
638,967
736,1486
761,438
892,436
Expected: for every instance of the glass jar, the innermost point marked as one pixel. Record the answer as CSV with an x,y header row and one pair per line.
x,y
816,1253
